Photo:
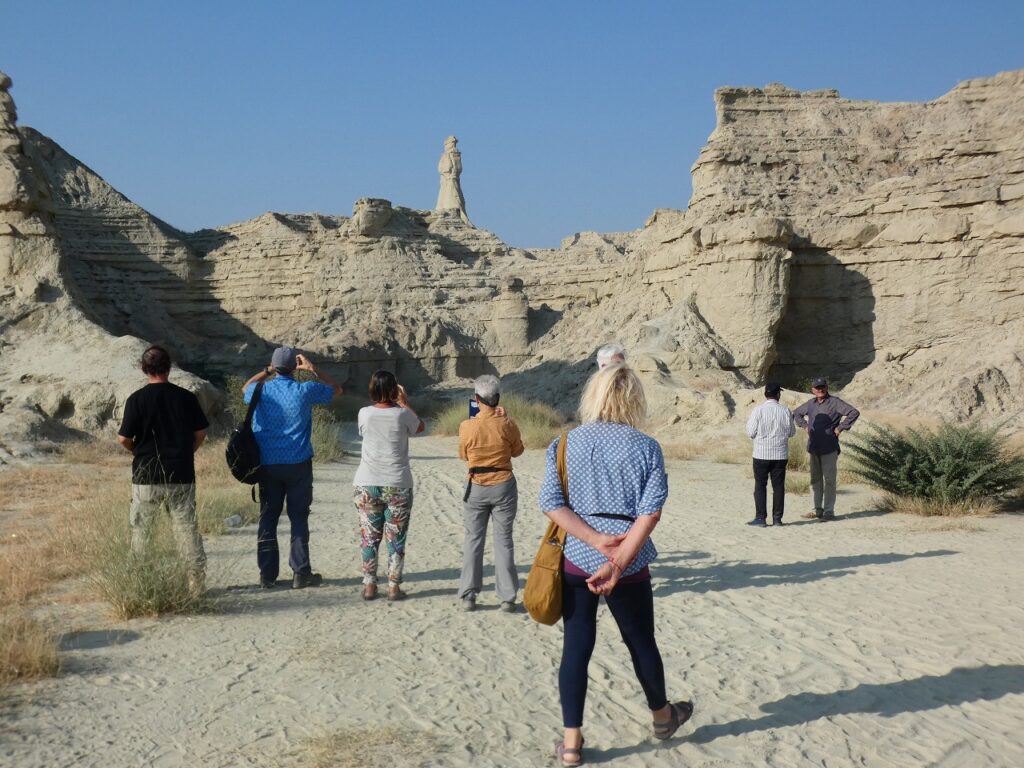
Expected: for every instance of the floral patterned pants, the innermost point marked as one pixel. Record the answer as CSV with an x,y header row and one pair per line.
x,y
383,514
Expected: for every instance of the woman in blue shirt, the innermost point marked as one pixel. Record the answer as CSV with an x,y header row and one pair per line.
x,y
617,487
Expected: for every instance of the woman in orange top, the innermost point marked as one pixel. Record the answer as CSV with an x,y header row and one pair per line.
x,y
487,443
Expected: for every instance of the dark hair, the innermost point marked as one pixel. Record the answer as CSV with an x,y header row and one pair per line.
x,y
156,361
383,387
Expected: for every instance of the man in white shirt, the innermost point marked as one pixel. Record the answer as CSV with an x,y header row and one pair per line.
x,y
770,426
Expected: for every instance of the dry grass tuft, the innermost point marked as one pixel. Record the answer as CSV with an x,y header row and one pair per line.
x,y
797,483
375,747
683,451
151,584
28,650
921,507
538,423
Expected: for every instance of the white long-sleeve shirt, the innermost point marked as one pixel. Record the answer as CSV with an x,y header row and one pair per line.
x,y
770,426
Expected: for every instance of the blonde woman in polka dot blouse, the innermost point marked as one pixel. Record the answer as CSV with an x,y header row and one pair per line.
x,y
617,487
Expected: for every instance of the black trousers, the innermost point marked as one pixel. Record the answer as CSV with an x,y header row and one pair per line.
x,y
280,483
632,607
763,469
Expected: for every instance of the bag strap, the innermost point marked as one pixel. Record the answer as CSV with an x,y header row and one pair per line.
x,y
252,405
563,467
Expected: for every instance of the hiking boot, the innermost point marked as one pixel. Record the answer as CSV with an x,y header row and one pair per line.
x,y
303,580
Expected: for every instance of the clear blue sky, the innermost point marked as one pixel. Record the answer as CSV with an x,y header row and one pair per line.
x,y
571,115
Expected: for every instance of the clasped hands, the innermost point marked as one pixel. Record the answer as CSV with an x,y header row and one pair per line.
x,y
607,576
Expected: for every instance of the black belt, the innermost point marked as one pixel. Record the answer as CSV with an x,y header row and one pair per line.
x,y
610,516
480,471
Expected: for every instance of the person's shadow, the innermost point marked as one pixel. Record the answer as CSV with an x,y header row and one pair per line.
x,y
671,574
958,686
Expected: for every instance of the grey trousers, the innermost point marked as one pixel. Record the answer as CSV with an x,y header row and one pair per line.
x,y
823,482
485,502
180,501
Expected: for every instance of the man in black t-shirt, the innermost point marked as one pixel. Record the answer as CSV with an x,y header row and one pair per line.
x,y
163,426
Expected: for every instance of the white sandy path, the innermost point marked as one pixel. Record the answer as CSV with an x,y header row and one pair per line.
x,y
870,641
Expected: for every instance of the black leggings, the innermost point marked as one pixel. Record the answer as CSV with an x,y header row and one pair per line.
x,y
632,607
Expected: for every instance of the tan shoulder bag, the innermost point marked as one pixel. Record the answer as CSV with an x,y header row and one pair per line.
x,y
543,594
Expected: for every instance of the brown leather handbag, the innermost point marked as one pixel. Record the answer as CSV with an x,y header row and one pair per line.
x,y
543,594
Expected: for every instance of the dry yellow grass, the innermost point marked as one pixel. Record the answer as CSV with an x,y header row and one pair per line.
x,y
374,747
28,650
931,508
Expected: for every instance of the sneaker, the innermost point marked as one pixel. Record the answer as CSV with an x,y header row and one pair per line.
x,y
758,522
509,606
266,583
777,521
469,603
303,580
827,518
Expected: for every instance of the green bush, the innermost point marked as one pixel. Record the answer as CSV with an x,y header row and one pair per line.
x,y
538,423
948,465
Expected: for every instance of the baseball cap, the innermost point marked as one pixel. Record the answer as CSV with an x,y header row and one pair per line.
x,y
772,388
821,381
283,357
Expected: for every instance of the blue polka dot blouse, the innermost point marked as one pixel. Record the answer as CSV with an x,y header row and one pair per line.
x,y
613,469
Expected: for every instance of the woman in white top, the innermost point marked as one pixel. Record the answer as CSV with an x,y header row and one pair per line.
x,y
383,482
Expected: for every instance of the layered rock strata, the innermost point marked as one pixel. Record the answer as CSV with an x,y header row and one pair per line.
x,y
881,245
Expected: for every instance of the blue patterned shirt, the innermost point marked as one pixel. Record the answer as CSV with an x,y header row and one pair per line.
x,y
283,421
613,469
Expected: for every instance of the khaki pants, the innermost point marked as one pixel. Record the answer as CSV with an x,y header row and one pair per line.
x,y
823,482
180,500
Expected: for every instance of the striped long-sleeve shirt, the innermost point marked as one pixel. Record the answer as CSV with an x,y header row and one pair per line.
x,y
770,426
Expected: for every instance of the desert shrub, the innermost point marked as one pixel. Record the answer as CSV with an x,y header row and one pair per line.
x,y
150,584
374,747
538,423
797,483
908,505
28,650
798,452
948,465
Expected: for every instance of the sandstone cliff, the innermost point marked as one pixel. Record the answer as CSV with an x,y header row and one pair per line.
x,y
881,245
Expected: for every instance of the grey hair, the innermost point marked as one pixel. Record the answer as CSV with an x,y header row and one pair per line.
x,y
608,352
487,386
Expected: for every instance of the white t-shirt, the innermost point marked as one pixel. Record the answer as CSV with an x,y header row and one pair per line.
x,y
385,459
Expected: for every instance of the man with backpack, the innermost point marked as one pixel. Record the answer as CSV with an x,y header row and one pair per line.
x,y
283,425
163,426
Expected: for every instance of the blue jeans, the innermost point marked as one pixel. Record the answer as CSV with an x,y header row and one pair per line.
x,y
632,607
280,483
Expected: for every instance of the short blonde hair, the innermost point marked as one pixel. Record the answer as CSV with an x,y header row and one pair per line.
x,y
614,394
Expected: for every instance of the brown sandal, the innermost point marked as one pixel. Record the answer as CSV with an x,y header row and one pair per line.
x,y
369,592
567,755
395,594
679,713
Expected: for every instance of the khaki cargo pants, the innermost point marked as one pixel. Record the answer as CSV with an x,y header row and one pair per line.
x,y
180,501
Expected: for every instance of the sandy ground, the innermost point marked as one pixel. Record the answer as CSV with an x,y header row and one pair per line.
x,y
871,641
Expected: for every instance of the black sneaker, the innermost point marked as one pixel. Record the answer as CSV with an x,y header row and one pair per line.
x,y
266,583
303,580
758,522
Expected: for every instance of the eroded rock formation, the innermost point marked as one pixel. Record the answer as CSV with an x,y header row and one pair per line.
x,y
881,245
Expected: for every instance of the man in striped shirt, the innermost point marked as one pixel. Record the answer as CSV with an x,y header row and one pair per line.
x,y
770,426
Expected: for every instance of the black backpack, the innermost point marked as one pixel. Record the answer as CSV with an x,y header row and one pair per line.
x,y
243,452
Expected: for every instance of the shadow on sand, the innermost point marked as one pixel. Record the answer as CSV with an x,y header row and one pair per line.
x,y
671,576
960,685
